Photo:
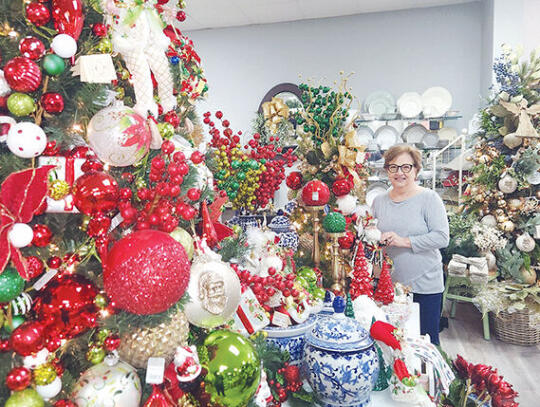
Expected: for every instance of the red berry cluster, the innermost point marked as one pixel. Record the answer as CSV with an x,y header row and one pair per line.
x,y
161,204
292,383
361,283
271,179
266,287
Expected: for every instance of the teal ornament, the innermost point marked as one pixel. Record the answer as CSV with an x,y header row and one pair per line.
x,y
53,65
334,222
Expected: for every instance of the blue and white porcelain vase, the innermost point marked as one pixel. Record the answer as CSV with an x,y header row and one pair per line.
x,y
291,338
281,226
341,360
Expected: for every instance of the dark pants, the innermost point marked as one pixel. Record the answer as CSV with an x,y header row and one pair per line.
x,y
430,314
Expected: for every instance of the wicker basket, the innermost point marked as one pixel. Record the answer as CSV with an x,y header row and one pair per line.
x,y
515,328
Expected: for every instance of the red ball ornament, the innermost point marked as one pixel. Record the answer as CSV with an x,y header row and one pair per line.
x,y
54,262
95,192
194,194
31,47
99,29
64,403
38,13
28,338
181,16
316,193
197,157
66,305
146,272
172,118
34,267
112,343
341,187
22,74
99,225
294,180
52,102
347,241
18,378
42,235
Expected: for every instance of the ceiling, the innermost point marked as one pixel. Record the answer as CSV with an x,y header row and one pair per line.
x,y
205,14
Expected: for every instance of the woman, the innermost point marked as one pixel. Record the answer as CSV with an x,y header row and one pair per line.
x,y
414,227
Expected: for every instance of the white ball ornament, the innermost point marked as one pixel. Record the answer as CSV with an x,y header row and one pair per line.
x,y
64,45
26,140
49,391
346,204
37,359
20,235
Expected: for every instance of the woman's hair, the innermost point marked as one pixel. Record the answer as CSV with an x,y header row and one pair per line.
x,y
399,149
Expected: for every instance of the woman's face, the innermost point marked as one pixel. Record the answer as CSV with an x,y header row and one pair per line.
x,y
397,171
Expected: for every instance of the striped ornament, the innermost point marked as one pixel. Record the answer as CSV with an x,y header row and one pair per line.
x,y
21,305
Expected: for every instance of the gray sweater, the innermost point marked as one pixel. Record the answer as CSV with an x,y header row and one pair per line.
x,y
422,218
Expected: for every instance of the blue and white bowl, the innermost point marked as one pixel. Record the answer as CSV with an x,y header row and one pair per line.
x,y
341,361
291,338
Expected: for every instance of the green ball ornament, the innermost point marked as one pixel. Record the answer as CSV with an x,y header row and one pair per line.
x,y
185,239
235,185
232,194
302,281
166,130
241,176
234,368
25,398
334,222
309,274
235,164
105,46
253,164
53,65
95,355
100,301
318,293
20,104
11,285
16,321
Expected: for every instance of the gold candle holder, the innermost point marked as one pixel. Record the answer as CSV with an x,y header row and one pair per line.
x,y
338,277
316,255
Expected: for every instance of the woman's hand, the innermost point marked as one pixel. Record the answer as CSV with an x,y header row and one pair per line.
x,y
393,239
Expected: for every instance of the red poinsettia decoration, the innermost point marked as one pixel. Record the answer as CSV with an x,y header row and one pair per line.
x,y
21,194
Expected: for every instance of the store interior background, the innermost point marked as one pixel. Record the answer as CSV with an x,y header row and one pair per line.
x,y
399,46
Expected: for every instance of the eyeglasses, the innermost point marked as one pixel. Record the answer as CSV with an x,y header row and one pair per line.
x,y
405,168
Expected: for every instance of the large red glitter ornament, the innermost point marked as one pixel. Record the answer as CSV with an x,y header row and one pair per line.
x,y
31,47
146,272
22,74
294,180
28,338
18,378
95,192
52,102
316,193
38,13
42,235
34,266
341,187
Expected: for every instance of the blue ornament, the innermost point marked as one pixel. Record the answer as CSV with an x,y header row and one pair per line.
x,y
175,60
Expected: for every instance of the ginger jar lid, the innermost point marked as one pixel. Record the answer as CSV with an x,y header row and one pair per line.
x,y
338,332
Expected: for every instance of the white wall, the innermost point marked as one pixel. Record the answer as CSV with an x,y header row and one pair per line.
x,y
398,51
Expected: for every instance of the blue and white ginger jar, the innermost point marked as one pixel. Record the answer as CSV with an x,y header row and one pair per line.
x,y
291,338
341,360
281,226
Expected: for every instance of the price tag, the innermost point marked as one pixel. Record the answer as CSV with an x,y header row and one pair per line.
x,y
45,278
97,68
315,196
280,319
154,370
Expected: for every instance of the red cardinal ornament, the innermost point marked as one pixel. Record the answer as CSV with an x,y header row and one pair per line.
x,y
208,230
21,194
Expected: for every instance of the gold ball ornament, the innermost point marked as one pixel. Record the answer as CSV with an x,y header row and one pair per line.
x,y
515,204
137,346
58,189
501,203
184,238
508,226
44,374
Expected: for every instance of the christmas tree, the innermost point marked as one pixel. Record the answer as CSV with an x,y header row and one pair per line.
x,y
385,288
361,282
504,187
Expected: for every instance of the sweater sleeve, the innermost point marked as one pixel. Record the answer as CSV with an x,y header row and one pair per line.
x,y
437,225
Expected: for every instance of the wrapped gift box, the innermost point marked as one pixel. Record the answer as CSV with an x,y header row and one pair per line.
x,y
67,169
250,316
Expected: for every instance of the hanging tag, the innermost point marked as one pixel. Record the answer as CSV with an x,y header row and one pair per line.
x,y
45,278
154,370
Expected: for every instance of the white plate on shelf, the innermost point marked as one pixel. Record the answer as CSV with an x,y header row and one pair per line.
x,y
379,103
363,136
374,190
447,133
410,104
386,136
430,140
414,133
436,101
